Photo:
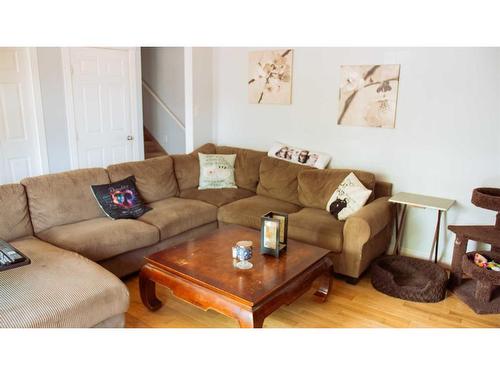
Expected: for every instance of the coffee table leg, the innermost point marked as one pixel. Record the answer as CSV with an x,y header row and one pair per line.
x,y
248,319
148,291
325,281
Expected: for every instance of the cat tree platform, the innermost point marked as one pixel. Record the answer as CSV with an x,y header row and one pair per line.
x,y
479,288
480,291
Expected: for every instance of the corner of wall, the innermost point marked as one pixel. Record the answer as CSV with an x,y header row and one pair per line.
x,y
215,95
188,98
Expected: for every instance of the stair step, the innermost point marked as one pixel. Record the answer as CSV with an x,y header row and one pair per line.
x,y
150,155
152,148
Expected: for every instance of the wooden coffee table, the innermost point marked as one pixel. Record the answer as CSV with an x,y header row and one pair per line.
x,y
201,272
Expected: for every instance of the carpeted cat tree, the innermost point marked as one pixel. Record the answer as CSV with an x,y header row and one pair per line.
x,y
478,287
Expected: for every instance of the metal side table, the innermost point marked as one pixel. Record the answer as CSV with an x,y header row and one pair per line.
x,y
406,200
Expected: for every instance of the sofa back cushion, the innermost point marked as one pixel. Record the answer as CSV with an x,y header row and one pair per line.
x,y
15,219
278,179
154,178
246,167
317,186
383,189
63,198
187,167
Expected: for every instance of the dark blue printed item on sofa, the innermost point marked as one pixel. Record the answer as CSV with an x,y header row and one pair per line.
x,y
120,200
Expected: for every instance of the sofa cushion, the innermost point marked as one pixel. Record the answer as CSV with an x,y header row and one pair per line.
x,y
63,198
187,167
316,227
155,178
173,216
248,211
382,189
14,218
58,289
102,238
217,197
246,167
278,179
317,186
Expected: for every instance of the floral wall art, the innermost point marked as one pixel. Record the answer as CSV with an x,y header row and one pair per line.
x,y
270,77
368,95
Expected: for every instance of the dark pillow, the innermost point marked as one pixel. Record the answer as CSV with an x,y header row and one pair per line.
x,y
120,200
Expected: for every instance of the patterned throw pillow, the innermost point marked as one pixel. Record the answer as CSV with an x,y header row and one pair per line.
x,y
348,198
120,200
299,155
216,171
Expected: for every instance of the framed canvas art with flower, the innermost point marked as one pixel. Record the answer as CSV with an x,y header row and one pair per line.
x,y
270,77
368,95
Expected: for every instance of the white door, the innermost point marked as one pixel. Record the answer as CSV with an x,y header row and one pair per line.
x,y
22,142
105,126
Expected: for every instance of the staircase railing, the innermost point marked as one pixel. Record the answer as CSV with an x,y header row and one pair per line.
x,y
163,105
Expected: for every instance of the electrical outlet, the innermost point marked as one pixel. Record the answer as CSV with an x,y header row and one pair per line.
x,y
166,139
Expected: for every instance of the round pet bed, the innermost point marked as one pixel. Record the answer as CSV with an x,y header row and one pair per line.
x,y
409,278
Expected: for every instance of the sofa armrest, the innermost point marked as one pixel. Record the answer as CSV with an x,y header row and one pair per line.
x,y
366,223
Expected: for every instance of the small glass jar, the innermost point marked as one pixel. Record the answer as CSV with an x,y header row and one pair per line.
x,y
243,252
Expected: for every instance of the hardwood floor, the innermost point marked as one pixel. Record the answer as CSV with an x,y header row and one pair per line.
x,y
349,306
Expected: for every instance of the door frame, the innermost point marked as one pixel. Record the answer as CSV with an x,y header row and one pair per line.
x,y
134,59
38,108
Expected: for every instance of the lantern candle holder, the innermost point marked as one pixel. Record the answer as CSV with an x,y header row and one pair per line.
x,y
274,232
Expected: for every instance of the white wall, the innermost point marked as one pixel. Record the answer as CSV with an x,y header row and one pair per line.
x,y
54,112
198,87
163,71
447,135
203,131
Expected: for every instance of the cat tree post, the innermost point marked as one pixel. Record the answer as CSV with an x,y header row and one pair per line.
x,y
497,225
483,291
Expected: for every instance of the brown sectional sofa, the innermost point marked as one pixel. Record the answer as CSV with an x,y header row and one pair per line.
x,y
48,215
